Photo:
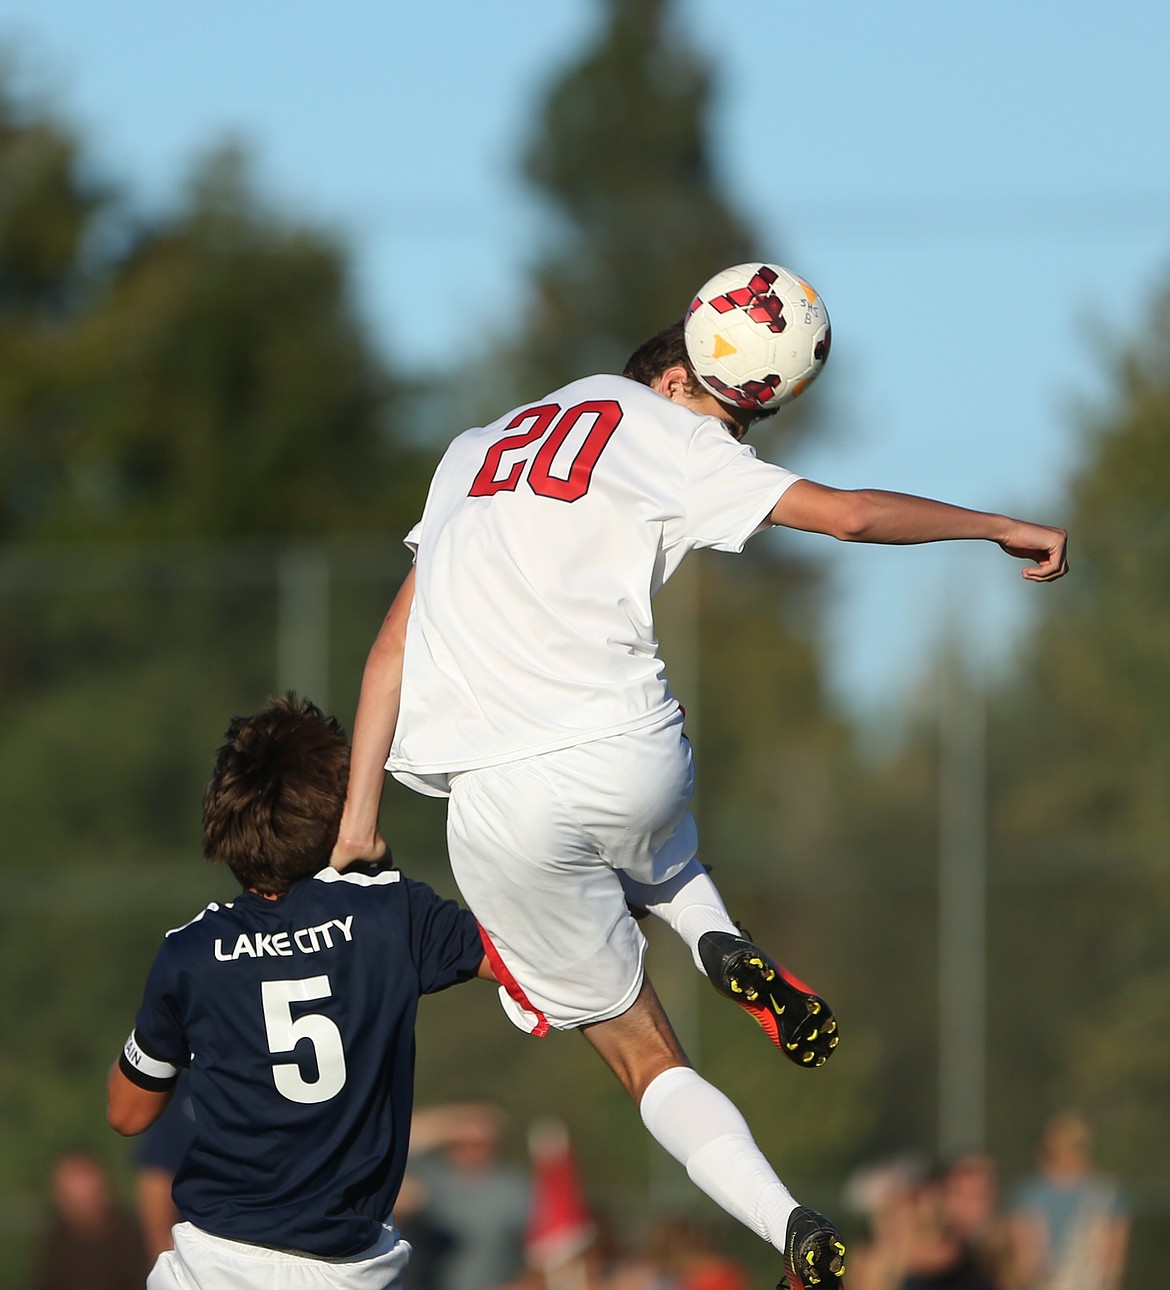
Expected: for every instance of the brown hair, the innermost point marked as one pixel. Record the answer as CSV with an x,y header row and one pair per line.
x,y
664,349
272,808
668,348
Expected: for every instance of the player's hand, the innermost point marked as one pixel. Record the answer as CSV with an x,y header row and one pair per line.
x,y
1045,545
346,851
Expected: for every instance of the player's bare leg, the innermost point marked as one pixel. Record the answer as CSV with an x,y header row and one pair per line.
x,y
705,1132
793,1016
639,1045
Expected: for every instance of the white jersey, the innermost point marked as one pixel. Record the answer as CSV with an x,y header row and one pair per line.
x,y
544,538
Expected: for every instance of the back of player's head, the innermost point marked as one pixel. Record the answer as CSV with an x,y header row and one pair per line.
x,y
273,805
665,349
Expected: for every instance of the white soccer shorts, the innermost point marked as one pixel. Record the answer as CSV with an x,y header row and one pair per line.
x,y
201,1261
534,845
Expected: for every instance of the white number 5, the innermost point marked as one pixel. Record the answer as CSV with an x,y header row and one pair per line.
x,y
284,1033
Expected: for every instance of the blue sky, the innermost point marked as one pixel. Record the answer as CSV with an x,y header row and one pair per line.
x,y
979,192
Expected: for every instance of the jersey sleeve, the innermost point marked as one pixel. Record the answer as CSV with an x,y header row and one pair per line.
x,y
445,939
157,1048
729,491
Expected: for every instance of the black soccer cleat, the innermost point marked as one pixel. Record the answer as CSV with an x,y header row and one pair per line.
x,y
814,1254
798,1021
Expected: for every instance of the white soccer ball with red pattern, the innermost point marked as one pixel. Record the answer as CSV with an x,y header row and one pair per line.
x,y
757,335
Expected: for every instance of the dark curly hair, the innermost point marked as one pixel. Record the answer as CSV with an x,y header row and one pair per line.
x,y
273,806
664,349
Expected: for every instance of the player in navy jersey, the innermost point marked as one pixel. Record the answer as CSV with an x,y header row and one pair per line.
x,y
293,1006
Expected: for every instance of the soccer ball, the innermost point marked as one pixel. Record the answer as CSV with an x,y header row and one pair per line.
x,y
757,335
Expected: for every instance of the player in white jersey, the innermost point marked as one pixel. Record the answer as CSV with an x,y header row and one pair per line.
x,y
517,672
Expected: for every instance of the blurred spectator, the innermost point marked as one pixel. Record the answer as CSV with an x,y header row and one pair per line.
x,y
1069,1226
91,1242
678,1254
561,1239
970,1200
941,1258
884,1194
619,1260
463,1209
686,1251
160,1149
921,1228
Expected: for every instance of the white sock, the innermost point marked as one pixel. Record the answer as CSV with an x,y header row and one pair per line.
x,y
704,1131
689,903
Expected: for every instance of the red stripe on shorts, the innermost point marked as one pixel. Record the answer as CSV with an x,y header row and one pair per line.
x,y
513,987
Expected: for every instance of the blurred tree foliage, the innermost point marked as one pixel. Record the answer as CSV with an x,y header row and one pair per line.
x,y
1082,792
201,378
622,158
46,209
221,385
185,401
1077,833
181,400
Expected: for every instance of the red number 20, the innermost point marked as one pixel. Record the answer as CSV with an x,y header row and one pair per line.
x,y
548,422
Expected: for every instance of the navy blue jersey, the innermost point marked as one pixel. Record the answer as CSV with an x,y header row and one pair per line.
x,y
296,1017
165,1143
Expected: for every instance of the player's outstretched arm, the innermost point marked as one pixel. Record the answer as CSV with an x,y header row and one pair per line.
x,y
874,515
373,730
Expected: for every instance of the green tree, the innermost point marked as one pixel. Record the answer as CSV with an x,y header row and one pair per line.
x,y
221,385
640,222
47,213
1090,720
181,399
212,384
